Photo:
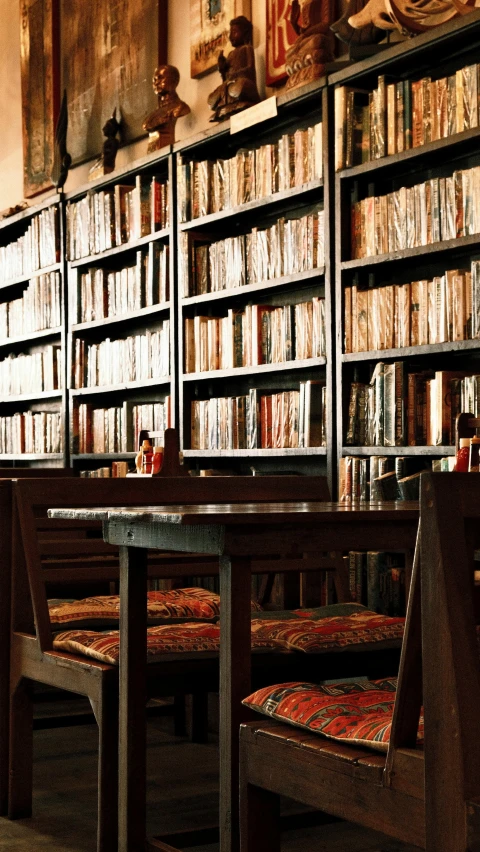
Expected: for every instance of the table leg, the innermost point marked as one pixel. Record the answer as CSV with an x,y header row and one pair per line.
x,y
132,699
235,679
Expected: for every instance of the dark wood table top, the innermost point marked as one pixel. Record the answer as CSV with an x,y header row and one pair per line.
x,y
252,513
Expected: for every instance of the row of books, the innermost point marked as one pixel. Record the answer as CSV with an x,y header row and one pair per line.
x,y
31,374
107,293
377,580
397,408
135,358
288,247
209,186
107,218
288,419
259,334
118,469
117,429
38,308
31,432
443,208
380,478
38,248
446,308
403,114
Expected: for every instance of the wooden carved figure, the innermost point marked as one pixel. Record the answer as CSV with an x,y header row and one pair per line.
x,y
61,158
106,162
238,89
160,124
314,47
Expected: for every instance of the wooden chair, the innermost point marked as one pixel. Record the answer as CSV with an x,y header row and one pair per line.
x,y
33,658
427,797
6,475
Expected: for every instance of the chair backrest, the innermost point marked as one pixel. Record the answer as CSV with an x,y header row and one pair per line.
x,y
450,520
47,550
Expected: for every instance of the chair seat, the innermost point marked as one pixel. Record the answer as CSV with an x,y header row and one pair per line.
x,y
358,712
187,604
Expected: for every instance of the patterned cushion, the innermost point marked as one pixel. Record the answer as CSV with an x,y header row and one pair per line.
x,y
192,604
359,713
361,631
186,638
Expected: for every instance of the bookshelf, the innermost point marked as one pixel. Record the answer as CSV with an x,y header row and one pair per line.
x,y
121,303
254,314
32,337
406,261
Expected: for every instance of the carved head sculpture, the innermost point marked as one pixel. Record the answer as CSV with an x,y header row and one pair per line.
x,y
165,79
407,16
241,31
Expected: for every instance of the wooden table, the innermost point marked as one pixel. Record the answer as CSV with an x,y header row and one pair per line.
x,y
236,533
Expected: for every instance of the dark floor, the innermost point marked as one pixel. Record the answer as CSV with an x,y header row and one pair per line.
x,y
65,797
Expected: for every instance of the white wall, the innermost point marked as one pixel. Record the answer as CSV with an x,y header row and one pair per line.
x,y
194,92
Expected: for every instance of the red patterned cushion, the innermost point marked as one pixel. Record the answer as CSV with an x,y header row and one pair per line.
x,y
361,631
192,604
186,638
359,713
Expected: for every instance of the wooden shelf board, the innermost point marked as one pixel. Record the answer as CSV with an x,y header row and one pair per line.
x,y
23,279
419,251
30,211
261,368
256,204
235,292
31,456
91,259
31,397
256,453
101,456
398,451
123,386
117,176
150,311
409,351
31,337
466,139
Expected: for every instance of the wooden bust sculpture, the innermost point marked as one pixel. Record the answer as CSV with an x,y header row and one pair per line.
x,y
160,124
238,89
314,47
106,162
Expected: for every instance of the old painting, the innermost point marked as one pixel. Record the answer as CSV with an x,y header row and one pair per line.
x,y
280,36
109,53
209,28
40,90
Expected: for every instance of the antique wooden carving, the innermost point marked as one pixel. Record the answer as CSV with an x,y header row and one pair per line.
x,y
209,30
40,90
280,37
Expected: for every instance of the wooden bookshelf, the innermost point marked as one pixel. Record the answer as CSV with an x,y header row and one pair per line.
x,y
305,108
434,163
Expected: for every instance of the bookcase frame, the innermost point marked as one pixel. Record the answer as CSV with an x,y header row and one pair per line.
x,y
308,104
141,391
456,43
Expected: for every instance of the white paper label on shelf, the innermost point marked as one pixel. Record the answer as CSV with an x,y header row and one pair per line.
x,y
254,115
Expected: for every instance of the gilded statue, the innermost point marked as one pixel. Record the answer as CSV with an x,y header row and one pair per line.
x,y
314,46
106,162
238,89
160,124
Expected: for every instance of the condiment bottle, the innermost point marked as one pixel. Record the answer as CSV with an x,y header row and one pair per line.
x,y
157,459
146,447
463,456
473,465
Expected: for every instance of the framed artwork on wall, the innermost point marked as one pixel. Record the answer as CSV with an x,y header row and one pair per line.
x,y
108,59
280,36
39,63
209,29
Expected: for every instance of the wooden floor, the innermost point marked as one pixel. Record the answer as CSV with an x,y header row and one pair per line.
x,y
65,797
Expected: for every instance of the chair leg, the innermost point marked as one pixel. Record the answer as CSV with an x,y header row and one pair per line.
x,y
199,717
179,715
21,751
106,714
259,819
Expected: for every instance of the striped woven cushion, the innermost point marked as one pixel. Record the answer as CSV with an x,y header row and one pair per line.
x,y
362,630
360,712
